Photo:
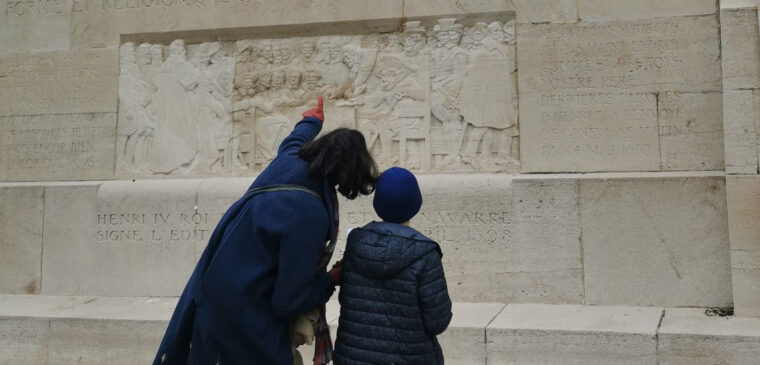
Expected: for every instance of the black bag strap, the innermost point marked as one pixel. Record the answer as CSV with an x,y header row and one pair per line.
x,y
282,187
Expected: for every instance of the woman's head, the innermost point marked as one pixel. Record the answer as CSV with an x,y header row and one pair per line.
x,y
342,158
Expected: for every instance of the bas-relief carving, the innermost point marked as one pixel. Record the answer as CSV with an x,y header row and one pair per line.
x,y
443,99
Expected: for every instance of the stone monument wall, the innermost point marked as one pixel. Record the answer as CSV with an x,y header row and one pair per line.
x,y
569,151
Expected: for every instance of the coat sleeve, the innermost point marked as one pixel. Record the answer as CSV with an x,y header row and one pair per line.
x,y
433,295
300,286
303,132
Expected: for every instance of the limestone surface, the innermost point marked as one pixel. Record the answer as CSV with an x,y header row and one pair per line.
x,y
688,336
567,334
656,241
59,82
744,231
20,239
57,147
589,91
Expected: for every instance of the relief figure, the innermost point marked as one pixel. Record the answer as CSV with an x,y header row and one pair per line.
x,y
176,144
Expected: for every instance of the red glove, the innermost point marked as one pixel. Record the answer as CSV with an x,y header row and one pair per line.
x,y
316,112
335,271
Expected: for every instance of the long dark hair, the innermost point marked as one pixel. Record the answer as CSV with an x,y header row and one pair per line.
x,y
342,158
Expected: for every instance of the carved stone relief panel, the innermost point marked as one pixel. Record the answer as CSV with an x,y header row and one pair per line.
x,y
441,98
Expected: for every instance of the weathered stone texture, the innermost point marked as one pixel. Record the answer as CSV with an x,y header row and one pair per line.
x,y
596,10
24,340
588,91
589,132
542,11
691,131
59,82
92,341
441,8
656,241
34,25
57,147
464,342
741,138
567,334
20,239
122,238
98,23
743,194
689,337
740,45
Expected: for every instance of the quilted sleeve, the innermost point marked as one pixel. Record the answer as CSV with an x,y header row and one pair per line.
x,y
433,295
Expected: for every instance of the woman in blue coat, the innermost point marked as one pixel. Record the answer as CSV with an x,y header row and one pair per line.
x,y
260,268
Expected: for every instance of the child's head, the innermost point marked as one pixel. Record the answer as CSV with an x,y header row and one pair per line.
x,y
397,195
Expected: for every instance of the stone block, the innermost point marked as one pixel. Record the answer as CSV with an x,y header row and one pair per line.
x,y
544,257
656,240
598,10
94,341
740,43
533,225
59,82
740,121
691,131
57,147
688,336
464,342
589,132
571,334
24,340
588,91
543,11
733,4
35,26
20,239
743,194
122,238
443,8
618,57
88,307
98,23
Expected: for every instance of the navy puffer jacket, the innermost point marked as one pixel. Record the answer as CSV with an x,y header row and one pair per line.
x,y
393,298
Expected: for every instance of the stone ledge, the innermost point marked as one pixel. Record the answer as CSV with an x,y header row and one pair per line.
x,y
522,333
687,336
56,329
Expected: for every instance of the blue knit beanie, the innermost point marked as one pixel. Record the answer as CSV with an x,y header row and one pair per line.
x,y
397,195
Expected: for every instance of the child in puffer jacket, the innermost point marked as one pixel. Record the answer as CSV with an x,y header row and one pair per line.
x,y
393,296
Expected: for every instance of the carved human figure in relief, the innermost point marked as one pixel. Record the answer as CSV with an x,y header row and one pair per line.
x,y
214,94
135,104
509,149
307,51
487,101
447,74
415,125
176,144
284,53
380,117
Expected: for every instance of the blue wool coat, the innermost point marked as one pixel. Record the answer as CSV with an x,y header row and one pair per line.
x,y
258,270
393,298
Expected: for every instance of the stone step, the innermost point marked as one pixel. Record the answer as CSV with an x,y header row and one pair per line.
x,y
36,329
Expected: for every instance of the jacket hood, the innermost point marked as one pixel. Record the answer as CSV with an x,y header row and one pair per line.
x,y
380,250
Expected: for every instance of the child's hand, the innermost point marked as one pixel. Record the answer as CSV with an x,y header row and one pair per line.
x,y
335,271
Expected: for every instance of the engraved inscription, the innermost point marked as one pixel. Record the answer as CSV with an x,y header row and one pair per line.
x,y
591,92
147,227
56,146
58,82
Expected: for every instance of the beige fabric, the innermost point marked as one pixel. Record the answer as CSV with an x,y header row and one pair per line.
x,y
302,332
